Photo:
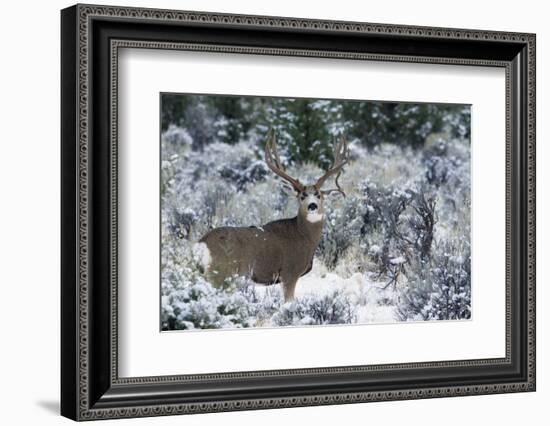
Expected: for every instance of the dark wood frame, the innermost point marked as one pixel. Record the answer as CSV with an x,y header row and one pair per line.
x,y
90,38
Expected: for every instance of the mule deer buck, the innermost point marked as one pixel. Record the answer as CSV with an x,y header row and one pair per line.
x,y
280,251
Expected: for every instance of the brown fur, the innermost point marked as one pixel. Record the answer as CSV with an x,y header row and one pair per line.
x,y
280,251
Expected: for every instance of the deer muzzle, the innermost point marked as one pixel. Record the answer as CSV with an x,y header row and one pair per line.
x,y
312,207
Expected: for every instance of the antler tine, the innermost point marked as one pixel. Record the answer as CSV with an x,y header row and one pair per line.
x,y
341,158
338,187
273,161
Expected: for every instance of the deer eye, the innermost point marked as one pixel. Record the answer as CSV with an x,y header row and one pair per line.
x,y
303,196
317,194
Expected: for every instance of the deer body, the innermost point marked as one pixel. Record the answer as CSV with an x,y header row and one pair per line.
x,y
280,251
277,252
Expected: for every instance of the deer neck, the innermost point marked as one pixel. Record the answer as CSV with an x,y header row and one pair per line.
x,y
310,230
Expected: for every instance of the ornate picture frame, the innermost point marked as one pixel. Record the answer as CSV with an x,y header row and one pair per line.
x,y
91,37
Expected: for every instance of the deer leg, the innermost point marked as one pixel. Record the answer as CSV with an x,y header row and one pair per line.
x,y
288,289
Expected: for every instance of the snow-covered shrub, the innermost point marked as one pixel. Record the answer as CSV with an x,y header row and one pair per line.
x,y
458,125
197,186
445,161
175,139
386,208
247,171
442,289
332,308
181,222
168,171
343,228
189,301
199,305
422,222
200,124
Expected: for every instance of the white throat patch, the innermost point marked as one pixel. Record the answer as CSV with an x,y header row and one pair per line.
x,y
314,217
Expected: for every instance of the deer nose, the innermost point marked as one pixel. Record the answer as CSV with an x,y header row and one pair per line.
x,y
312,207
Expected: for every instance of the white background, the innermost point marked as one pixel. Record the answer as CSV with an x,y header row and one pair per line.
x,y
29,225
141,344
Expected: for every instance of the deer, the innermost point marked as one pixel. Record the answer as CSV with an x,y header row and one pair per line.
x,y
280,251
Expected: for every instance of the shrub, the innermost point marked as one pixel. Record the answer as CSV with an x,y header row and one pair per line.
x,y
343,227
385,210
443,292
245,172
332,308
194,303
422,223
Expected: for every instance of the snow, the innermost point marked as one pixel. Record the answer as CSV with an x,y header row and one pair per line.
x,y
364,291
397,260
375,249
201,253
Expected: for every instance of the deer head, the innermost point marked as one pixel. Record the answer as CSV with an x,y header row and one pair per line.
x,y
310,197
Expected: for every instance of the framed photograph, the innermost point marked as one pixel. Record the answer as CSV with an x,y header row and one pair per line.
x,y
263,212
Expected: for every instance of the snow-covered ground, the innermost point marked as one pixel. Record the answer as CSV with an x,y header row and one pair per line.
x,y
374,303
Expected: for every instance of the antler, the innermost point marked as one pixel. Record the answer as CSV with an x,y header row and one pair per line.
x,y
338,187
341,158
274,162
